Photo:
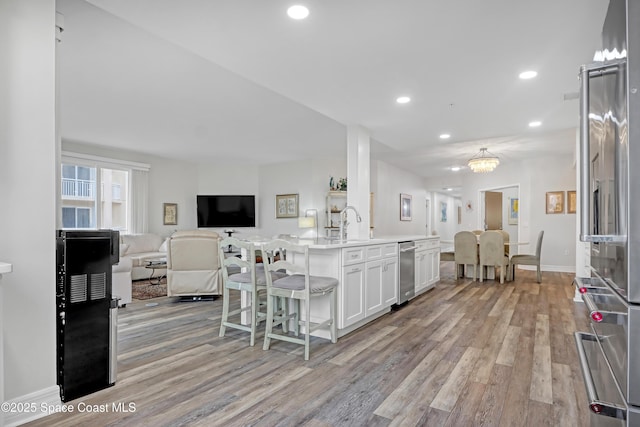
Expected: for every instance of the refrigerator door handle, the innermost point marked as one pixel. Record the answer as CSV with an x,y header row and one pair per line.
x,y
597,405
602,316
586,72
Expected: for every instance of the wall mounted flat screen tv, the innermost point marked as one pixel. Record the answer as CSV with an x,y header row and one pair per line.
x,y
226,211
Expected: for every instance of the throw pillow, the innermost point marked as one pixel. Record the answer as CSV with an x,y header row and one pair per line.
x,y
123,248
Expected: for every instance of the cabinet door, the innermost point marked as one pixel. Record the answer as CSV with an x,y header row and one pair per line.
x,y
421,271
352,307
390,281
373,287
434,258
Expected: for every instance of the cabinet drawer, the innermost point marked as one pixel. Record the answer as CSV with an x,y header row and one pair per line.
x,y
374,252
427,244
390,250
352,255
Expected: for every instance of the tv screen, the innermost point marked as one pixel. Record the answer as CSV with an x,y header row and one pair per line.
x,y
226,211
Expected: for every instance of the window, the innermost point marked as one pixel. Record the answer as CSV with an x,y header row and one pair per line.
x,y
99,192
85,207
76,217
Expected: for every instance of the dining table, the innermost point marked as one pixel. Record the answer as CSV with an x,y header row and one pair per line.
x,y
491,271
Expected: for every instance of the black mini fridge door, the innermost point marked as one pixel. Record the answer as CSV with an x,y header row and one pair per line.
x,y
84,321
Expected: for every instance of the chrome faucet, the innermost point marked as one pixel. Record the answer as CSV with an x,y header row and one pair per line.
x,y
343,221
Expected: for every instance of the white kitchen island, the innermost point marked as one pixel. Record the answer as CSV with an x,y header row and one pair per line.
x,y
367,273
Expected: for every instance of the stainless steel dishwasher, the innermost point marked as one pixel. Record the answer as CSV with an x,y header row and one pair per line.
x,y
407,283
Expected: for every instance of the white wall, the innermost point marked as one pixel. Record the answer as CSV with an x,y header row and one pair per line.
x,y
179,182
307,178
170,181
535,177
310,180
559,229
445,229
387,183
27,194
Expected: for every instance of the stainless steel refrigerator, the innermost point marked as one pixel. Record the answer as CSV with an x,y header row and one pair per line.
x,y
609,351
86,312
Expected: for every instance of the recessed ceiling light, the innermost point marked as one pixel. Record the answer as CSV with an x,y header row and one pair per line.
x,y
535,124
403,100
298,12
525,75
449,189
445,136
455,168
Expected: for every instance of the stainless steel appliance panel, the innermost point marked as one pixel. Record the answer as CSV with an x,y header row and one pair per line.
x,y
633,348
604,153
608,315
407,282
610,219
633,150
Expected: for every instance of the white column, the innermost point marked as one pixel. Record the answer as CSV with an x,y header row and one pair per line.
x,y
358,180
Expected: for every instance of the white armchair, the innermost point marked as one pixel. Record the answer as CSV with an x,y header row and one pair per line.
x,y
193,266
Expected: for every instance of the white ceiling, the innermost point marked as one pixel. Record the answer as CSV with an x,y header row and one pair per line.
x,y
239,81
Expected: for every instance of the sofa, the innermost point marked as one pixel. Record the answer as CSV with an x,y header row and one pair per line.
x,y
193,267
141,248
121,281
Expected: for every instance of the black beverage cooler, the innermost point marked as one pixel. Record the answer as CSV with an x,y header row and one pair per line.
x,y
86,312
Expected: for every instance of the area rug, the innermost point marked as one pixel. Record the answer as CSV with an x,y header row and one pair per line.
x,y
144,289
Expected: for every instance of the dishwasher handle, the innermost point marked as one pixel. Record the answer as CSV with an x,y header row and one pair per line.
x,y
412,248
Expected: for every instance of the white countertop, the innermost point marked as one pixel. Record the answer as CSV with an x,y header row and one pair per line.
x,y
5,267
323,243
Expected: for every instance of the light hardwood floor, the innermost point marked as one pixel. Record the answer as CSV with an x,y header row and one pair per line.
x,y
463,354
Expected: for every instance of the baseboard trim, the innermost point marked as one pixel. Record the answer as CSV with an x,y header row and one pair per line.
x,y
552,268
40,400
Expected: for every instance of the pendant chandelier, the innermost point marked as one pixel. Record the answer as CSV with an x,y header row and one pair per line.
x,y
483,162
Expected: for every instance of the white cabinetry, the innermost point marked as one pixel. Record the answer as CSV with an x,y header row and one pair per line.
x,y
353,280
427,266
369,281
390,277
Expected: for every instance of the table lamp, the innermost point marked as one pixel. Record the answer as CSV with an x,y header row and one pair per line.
x,y
309,220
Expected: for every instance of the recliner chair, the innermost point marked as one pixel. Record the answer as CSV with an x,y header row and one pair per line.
x,y
193,266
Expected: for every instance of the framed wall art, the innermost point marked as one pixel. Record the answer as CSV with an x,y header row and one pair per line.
x,y
513,211
572,202
287,206
405,207
170,213
555,202
443,211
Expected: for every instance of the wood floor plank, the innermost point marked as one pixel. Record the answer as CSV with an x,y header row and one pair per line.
x,y
541,381
422,374
450,391
565,408
442,332
415,410
509,346
502,301
490,409
517,400
540,414
466,407
414,366
355,350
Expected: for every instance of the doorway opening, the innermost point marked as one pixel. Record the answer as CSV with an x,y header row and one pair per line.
x,y
506,216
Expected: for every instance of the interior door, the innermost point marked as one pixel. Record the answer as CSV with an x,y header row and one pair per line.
x,y
493,210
